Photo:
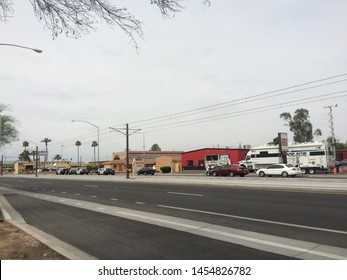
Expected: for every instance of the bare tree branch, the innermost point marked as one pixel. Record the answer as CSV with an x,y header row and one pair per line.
x,y
5,9
78,17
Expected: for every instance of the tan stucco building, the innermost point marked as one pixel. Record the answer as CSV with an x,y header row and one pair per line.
x,y
145,158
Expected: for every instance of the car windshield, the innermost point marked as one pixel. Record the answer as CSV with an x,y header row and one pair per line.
x,y
289,165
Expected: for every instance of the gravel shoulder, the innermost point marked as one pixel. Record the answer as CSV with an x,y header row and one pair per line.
x,y
16,244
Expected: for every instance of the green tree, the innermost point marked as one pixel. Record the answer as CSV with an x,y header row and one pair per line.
x,y
300,125
78,144
24,156
155,147
76,17
274,141
8,130
57,157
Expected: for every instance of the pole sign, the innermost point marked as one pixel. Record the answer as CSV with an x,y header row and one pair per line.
x,y
43,154
283,145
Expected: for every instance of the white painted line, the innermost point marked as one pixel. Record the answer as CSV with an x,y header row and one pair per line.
x,y
91,186
114,199
254,219
63,192
269,243
77,194
139,202
191,194
93,196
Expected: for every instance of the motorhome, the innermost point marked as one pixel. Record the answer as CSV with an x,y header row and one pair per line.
x,y
310,156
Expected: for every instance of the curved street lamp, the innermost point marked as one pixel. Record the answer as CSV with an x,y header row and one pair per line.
x,y
23,47
98,137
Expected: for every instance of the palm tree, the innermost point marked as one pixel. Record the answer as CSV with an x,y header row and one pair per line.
x,y
46,141
33,153
25,145
94,145
78,144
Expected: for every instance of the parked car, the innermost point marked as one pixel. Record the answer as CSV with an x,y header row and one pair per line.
x,y
146,170
62,171
283,170
73,171
82,171
342,162
105,171
229,170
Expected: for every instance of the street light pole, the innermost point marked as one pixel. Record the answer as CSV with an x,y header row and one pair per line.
x,y
23,47
97,136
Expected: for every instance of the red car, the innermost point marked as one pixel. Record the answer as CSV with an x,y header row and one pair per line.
x,y
229,170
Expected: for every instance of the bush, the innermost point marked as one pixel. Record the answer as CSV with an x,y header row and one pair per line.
x,y
165,169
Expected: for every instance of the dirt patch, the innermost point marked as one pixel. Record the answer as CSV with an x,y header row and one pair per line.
x,y
16,244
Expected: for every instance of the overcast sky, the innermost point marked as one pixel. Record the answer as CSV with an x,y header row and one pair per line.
x,y
227,55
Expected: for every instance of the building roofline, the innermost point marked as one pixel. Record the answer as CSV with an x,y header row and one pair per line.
x,y
217,149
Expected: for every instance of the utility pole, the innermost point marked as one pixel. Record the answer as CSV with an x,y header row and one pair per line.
x,y
331,126
127,143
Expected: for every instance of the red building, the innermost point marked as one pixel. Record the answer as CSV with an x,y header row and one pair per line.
x,y
198,159
341,154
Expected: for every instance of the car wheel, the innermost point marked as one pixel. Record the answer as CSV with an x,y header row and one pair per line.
x,y
262,174
311,171
232,174
284,174
214,174
138,173
145,173
242,175
303,171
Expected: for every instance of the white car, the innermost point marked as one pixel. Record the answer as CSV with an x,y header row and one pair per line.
x,y
283,170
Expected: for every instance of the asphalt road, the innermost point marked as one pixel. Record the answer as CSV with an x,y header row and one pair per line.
x,y
161,218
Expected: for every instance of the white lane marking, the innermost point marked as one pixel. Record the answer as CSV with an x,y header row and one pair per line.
x,y
77,194
63,192
91,186
191,194
254,219
94,196
114,199
264,242
139,202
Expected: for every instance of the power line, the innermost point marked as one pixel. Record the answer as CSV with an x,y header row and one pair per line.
x,y
247,99
244,112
